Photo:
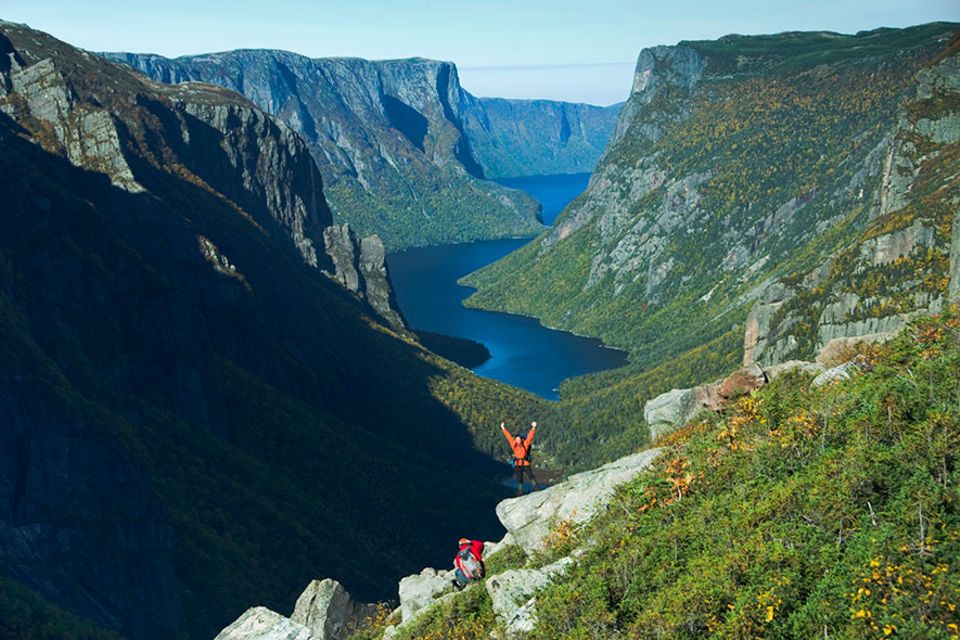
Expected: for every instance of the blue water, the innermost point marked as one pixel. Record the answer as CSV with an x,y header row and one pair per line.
x,y
523,352
553,192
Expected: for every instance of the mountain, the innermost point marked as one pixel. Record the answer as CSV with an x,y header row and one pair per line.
x,y
536,137
387,136
193,415
741,161
749,195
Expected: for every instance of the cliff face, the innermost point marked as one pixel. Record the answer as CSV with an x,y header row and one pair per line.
x,y
734,162
904,262
192,415
388,138
536,137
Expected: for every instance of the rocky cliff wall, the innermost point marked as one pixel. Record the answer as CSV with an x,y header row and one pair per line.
x,y
387,136
536,137
904,262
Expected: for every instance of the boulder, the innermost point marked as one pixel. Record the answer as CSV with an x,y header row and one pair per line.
x,y
836,348
778,370
523,620
260,623
836,374
419,590
490,548
670,410
530,519
327,610
741,382
511,592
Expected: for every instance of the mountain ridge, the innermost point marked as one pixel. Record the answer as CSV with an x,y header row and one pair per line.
x,y
350,111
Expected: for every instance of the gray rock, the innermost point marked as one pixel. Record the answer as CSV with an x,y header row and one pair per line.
x,y
837,374
421,590
490,548
837,348
259,623
377,287
532,518
670,410
511,591
741,381
390,632
778,370
341,245
327,610
361,268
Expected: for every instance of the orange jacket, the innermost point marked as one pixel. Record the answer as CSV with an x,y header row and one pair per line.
x,y
521,448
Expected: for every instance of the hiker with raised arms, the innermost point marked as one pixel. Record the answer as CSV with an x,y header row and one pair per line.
x,y
522,455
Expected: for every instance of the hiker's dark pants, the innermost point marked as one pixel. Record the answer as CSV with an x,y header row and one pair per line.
x,y
521,470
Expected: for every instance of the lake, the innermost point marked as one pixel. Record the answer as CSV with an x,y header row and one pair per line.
x,y
523,353
553,192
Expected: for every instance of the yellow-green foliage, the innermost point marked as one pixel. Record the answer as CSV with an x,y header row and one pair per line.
x,y
802,512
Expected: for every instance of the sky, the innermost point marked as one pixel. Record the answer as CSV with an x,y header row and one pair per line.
x,y
576,50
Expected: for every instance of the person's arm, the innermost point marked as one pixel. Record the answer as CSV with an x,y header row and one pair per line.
x,y
533,432
506,434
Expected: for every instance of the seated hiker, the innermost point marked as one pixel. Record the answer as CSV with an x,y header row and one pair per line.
x,y
522,455
468,563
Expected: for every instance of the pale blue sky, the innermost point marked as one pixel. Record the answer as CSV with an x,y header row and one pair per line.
x,y
580,50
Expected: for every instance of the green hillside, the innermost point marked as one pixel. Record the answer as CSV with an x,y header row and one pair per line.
x,y
801,512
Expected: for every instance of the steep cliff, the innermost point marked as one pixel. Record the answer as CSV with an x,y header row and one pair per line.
x,y
388,138
900,265
536,137
734,162
192,415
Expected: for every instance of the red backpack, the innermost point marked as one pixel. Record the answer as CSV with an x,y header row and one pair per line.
x,y
469,565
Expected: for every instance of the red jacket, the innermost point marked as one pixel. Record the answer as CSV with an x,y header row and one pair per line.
x,y
476,550
521,448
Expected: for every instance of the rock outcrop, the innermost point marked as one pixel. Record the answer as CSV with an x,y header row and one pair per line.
x,y
328,611
259,623
670,410
675,408
512,594
420,590
361,267
532,518
836,374
387,136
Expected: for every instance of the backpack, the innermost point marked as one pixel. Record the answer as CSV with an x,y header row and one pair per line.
x,y
528,456
469,564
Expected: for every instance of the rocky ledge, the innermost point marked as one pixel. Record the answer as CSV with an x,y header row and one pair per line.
x,y
325,611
